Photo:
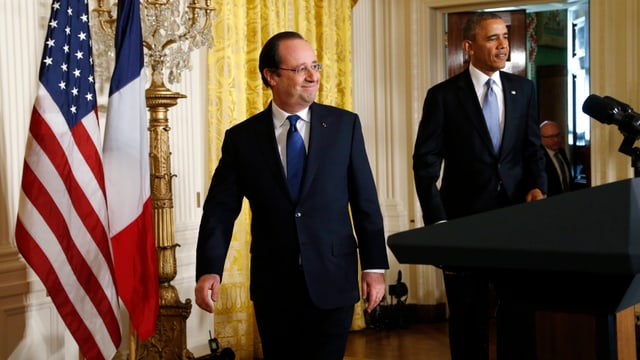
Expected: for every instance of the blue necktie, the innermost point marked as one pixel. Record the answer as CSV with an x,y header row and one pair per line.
x,y
492,114
296,155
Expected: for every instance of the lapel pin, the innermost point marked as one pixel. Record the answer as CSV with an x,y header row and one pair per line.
x,y
513,92
324,124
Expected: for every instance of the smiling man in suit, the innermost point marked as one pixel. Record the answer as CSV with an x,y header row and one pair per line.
x,y
482,123
305,210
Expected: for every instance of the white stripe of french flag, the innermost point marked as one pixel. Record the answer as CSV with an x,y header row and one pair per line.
x,y
127,178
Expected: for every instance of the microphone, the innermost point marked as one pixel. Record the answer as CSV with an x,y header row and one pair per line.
x,y
623,107
606,110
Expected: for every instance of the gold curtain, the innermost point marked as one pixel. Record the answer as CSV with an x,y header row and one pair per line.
x,y
235,91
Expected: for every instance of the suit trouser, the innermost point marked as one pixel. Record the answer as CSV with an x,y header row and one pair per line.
x,y
468,301
470,312
292,327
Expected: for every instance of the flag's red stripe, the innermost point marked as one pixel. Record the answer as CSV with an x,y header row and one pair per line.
x,y
84,142
35,191
48,141
40,263
138,280
94,160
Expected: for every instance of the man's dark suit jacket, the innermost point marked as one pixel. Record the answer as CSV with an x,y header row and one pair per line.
x,y
316,232
453,129
554,184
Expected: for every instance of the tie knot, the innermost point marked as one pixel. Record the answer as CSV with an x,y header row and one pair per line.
x,y
489,83
293,119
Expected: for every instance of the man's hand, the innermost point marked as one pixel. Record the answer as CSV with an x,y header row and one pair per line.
x,y
207,283
373,288
535,194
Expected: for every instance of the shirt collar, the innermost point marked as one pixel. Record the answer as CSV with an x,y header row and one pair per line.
x,y
280,116
479,78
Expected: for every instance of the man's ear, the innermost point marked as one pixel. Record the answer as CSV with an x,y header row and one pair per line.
x,y
270,76
467,46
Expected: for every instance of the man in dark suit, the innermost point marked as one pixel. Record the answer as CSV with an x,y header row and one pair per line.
x,y
304,254
558,167
480,173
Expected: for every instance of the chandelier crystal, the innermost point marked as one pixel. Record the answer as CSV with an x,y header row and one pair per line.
x,y
171,30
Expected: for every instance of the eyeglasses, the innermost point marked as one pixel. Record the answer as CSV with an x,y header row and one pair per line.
x,y
551,136
304,69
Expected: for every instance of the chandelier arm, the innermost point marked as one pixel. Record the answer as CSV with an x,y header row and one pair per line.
x,y
160,34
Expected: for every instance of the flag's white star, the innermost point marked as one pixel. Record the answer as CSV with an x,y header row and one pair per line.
x,y
76,72
90,78
51,42
56,5
66,48
69,11
53,23
74,91
89,96
67,30
73,109
79,54
82,36
62,85
84,18
48,61
64,67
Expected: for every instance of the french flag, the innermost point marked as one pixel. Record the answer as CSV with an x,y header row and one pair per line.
x,y
127,178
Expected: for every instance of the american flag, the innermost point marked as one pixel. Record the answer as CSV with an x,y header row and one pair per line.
x,y
126,164
62,226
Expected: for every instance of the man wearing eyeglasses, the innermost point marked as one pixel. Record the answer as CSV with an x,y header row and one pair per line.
x,y
559,174
304,170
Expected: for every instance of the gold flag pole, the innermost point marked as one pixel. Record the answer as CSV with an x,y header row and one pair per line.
x,y
168,42
132,342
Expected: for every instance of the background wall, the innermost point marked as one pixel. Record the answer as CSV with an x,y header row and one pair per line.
x,y
398,55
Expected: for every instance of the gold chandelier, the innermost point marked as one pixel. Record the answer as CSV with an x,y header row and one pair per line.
x,y
170,34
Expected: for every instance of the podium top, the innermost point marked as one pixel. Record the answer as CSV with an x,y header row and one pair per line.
x,y
594,230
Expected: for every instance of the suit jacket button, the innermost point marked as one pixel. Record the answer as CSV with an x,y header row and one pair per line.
x,y
298,214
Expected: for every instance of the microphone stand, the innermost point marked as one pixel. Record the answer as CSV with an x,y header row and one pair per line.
x,y
627,148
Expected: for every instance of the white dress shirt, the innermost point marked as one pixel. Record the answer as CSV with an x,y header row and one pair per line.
x,y
281,127
479,80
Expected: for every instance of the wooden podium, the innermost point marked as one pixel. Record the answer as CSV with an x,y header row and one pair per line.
x,y
575,253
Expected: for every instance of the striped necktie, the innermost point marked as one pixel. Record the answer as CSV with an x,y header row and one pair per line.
x,y
563,171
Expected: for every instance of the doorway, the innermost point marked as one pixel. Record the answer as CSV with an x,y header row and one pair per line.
x,y
549,45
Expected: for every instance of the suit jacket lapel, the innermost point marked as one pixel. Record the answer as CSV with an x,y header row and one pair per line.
x,y
510,92
473,107
318,140
267,147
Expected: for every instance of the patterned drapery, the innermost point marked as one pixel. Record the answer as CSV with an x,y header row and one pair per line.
x,y
235,91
